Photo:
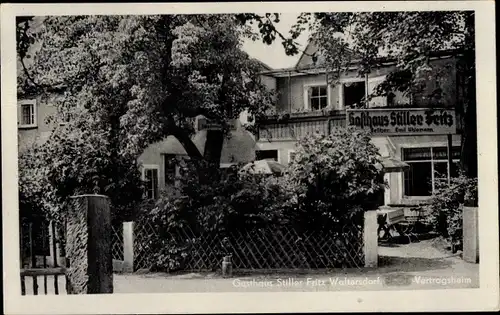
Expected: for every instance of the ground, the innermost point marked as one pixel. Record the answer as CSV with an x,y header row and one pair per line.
x,y
420,265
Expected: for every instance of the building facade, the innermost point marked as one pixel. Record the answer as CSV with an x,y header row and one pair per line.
x,y
307,102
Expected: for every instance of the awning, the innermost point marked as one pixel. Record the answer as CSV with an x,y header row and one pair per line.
x,y
392,165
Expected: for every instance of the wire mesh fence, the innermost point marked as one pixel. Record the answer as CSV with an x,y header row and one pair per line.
x,y
117,241
252,249
144,237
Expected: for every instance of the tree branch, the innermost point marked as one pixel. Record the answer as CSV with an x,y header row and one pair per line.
x,y
187,143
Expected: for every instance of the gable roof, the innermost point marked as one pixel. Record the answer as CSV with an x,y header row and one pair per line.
x,y
306,61
311,48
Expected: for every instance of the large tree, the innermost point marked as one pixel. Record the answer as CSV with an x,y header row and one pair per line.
x,y
123,82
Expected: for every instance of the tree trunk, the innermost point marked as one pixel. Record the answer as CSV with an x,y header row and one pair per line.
x,y
213,146
188,144
212,155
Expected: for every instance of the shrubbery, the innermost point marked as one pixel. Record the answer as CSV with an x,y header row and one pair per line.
x,y
330,182
447,203
334,177
217,201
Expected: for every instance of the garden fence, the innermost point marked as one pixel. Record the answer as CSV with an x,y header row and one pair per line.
x,y
270,248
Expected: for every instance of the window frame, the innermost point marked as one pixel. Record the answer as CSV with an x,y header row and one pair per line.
x,y
143,177
432,160
343,81
307,99
341,85
20,105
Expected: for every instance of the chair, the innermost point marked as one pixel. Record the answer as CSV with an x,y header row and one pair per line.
x,y
413,217
382,226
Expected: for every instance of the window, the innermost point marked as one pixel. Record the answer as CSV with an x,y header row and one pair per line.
x,y
150,176
354,93
428,168
317,97
266,155
27,114
170,163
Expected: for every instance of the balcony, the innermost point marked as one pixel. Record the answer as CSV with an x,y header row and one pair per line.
x,y
293,126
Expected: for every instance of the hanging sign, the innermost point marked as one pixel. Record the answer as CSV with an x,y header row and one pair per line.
x,y
401,122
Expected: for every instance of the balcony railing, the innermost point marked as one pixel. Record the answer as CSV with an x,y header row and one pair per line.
x,y
297,125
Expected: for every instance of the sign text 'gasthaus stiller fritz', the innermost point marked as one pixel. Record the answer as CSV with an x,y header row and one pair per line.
x,y
400,122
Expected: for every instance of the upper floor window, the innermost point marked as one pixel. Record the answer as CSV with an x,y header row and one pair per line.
x,y
354,93
317,97
27,114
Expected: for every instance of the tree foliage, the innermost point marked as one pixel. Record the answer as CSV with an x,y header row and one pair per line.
x,y
447,205
124,82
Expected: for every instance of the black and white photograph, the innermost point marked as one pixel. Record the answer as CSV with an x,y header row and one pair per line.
x,y
251,148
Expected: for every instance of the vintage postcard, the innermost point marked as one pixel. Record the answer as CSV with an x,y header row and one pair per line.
x,y
249,157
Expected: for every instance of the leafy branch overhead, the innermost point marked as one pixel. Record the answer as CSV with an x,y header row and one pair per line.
x,y
123,82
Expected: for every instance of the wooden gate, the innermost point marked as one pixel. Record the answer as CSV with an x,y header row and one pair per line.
x,y
88,264
36,240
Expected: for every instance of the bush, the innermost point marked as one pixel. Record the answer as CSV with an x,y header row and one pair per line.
x,y
334,177
328,185
211,202
447,203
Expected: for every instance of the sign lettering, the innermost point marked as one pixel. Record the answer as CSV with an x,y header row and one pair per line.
x,y
403,121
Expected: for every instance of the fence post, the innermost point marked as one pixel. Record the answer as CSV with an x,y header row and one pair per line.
x,y
128,246
470,234
370,238
88,245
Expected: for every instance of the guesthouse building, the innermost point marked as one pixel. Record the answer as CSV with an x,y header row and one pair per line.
x,y
414,129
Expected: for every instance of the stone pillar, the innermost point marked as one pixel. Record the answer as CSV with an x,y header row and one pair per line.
x,y
470,234
370,239
128,246
88,246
